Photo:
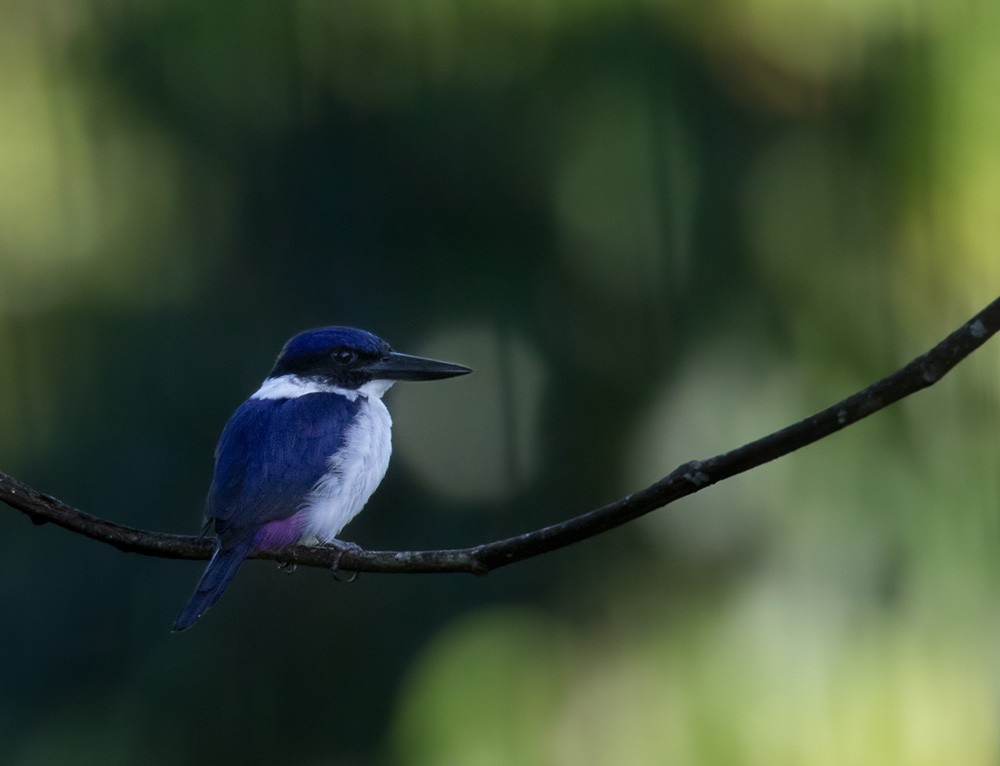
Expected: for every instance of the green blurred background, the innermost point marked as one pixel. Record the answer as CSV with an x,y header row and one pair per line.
x,y
656,229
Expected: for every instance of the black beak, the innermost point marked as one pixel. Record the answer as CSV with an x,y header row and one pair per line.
x,y
396,366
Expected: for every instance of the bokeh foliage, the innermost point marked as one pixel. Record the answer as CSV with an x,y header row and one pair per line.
x,y
655,228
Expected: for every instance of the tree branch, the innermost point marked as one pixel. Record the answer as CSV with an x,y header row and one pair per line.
x,y
685,480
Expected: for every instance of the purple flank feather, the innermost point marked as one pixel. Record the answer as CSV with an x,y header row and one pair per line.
x,y
276,535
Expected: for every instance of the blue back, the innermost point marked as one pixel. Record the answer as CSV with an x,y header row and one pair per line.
x,y
270,454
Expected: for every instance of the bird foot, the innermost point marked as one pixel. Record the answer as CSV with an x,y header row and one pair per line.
x,y
341,547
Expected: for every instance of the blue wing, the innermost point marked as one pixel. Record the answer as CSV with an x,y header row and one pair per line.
x,y
270,454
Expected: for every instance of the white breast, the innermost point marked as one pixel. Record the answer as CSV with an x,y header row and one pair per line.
x,y
356,469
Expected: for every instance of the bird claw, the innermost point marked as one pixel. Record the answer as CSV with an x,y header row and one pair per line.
x,y
341,547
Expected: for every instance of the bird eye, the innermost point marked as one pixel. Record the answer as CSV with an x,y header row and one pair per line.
x,y
344,356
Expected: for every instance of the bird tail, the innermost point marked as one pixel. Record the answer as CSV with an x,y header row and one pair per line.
x,y
218,574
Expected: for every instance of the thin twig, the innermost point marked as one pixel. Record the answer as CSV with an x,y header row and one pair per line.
x,y
685,480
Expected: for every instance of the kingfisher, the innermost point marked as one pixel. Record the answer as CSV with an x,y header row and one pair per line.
x,y
300,458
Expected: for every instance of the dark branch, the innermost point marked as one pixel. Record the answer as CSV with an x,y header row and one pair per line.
x,y
687,479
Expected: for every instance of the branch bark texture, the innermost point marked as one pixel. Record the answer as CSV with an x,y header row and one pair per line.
x,y
685,480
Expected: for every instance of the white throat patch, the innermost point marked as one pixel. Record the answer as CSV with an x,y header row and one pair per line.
x,y
292,387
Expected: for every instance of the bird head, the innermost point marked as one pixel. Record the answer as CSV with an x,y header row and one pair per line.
x,y
351,358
